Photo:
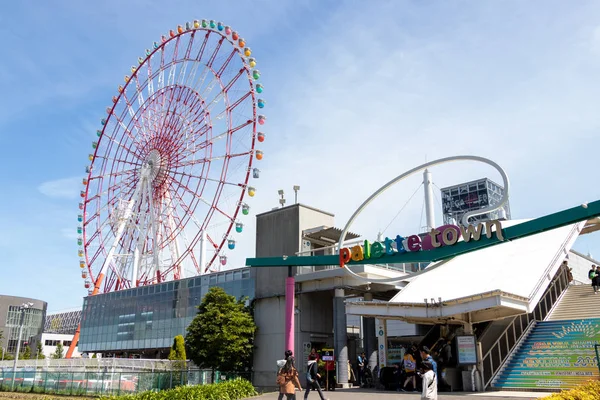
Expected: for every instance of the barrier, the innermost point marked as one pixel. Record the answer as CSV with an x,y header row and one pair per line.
x,y
107,382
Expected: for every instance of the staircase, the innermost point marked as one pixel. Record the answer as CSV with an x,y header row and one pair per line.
x,y
578,302
557,353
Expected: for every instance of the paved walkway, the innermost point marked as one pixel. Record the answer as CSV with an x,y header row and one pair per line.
x,y
363,394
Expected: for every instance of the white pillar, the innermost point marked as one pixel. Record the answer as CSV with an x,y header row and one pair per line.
x,y
429,211
202,251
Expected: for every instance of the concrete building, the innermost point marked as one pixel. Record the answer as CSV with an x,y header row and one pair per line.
x,y
51,340
60,327
321,293
11,318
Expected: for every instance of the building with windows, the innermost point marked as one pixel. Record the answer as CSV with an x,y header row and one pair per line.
x,y
11,318
142,322
60,328
459,199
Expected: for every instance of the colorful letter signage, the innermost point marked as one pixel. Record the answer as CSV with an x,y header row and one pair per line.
x,y
446,235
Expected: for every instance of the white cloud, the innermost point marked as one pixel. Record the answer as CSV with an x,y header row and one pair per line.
x,y
66,188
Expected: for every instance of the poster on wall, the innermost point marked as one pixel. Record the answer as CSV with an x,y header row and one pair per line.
x,y
395,353
466,349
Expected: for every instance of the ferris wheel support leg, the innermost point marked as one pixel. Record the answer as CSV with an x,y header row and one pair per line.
x,y
134,270
202,250
75,340
141,238
173,244
121,230
155,250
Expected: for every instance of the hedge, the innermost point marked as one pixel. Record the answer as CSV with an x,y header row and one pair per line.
x,y
235,389
590,391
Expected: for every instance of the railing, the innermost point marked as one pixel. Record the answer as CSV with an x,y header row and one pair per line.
x,y
86,364
497,355
106,382
404,267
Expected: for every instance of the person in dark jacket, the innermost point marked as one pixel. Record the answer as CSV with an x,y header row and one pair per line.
x,y
312,378
592,277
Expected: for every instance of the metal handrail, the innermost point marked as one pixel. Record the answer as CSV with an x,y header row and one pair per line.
x,y
559,281
507,358
574,231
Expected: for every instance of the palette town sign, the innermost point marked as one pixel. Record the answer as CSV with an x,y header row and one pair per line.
x,y
447,235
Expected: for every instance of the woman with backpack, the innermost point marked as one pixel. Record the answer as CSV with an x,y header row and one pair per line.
x,y
312,378
287,379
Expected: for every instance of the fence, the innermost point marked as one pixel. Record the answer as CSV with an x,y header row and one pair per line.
x,y
106,382
92,364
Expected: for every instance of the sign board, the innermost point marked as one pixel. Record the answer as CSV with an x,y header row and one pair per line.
x,y
306,347
466,349
446,235
381,327
327,355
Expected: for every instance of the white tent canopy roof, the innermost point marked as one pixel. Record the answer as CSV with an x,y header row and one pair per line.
x,y
505,279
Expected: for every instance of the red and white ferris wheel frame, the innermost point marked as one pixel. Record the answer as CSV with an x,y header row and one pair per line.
x,y
217,243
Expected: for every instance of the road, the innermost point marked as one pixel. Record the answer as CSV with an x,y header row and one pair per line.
x,y
364,394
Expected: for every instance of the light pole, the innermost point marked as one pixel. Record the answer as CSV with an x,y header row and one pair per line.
x,y
23,307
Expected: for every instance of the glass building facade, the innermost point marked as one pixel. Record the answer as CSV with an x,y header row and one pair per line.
x,y
63,323
145,320
459,199
33,322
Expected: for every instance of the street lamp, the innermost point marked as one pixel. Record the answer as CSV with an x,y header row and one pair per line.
x,y
282,199
23,307
296,188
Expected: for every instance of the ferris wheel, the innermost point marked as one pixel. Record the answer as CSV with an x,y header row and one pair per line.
x,y
172,162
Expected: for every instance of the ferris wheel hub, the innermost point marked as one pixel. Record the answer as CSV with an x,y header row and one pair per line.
x,y
153,166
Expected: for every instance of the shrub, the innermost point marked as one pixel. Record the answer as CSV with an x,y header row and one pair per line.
x,y
590,391
235,389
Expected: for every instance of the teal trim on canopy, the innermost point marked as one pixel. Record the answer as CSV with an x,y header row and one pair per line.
x,y
552,221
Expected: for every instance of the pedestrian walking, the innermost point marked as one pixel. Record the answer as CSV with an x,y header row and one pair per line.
x,y
361,368
592,275
312,378
287,379
429,382
410,366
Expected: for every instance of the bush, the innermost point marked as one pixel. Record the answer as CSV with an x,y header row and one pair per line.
x,y
590,391
235,389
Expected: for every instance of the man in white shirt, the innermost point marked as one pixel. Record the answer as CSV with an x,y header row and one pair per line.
x,y
429,382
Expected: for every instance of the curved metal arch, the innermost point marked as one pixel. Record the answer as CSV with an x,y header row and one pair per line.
x,y
408,173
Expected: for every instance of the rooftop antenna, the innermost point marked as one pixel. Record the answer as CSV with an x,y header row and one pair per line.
x,y
296,189
282,199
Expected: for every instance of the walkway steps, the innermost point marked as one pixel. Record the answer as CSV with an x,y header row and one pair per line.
x,y
555,355
579,302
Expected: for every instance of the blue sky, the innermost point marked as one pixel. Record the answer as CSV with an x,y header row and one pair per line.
x,y
357,92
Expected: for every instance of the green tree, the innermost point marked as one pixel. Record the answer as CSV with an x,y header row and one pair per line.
x,y
177,352
39,352
94,356
221,336
26,354
59,352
